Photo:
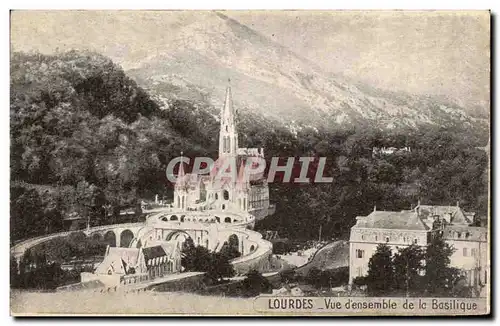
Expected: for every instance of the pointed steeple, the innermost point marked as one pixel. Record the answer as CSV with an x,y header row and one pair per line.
x,y
181,167
228,105
181,176
228,136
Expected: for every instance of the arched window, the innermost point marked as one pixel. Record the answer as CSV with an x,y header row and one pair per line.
x,y
174,218
227,220
226,195
216,196
223,206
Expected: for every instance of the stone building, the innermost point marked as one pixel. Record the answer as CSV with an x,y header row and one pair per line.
x,y
395,229
417,226
471,252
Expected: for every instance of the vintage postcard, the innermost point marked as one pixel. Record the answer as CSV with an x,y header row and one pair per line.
x,y
250,163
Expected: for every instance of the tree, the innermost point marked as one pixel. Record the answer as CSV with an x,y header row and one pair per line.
x,y
255,284
200,259
408,266
219,267
230,250
440,277
380,278
289,276
313,276
188,255
27,214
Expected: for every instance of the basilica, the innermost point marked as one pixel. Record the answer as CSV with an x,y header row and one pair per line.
x,y
242,193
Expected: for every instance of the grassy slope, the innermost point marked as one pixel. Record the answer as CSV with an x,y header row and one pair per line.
x,y
333,255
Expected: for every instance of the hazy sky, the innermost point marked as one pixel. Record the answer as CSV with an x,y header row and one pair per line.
x,y
439,53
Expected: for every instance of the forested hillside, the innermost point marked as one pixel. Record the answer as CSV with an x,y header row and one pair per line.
x,y
85,138
86,132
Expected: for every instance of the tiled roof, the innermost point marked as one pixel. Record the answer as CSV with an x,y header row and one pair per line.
x,y
118,259
170,247
406,220
153,252
458,216
462,232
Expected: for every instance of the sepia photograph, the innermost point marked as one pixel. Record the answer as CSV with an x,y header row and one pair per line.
x,y
250,163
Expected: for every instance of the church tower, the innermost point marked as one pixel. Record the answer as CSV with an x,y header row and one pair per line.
x,y
181,188
228,136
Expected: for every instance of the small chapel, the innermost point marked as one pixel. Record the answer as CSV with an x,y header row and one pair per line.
x,y
194,192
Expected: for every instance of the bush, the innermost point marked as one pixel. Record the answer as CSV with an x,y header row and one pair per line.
x,y
289,276
255,284
328,278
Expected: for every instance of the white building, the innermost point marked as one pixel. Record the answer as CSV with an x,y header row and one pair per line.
x,y
395,229
401,229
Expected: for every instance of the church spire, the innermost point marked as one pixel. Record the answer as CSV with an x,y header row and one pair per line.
x,y
181,167
181,176
228,136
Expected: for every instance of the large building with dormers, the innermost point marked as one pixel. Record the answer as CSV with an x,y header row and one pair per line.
x,y
416,226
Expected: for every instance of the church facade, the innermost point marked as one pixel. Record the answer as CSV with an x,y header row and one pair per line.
x,y
243,192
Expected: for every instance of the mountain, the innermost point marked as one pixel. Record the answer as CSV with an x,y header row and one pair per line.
x,y
271,80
